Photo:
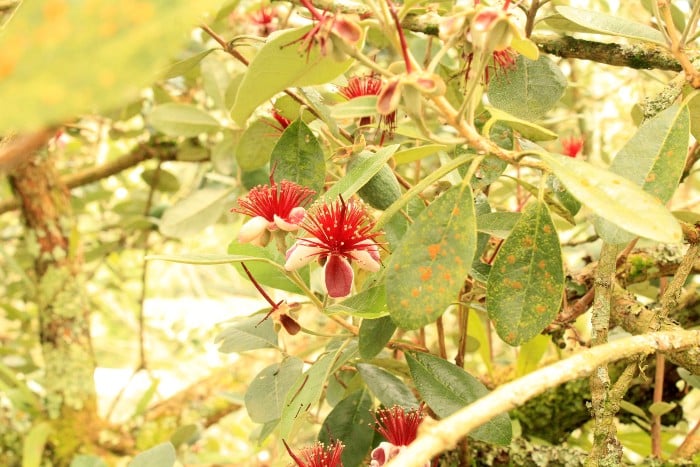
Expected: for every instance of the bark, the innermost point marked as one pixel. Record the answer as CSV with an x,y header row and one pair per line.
x,y
70,399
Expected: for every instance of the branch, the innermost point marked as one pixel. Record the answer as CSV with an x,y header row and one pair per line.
x,y
145,151
16,149
435,438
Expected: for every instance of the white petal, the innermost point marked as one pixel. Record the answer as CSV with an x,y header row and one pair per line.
x,y
301,254
252,229
368,257
284,225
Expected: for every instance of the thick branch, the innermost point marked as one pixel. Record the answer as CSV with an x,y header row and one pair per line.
x,y
162,151
435,438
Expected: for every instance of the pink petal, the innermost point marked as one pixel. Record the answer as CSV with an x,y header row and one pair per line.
x,y
339,276
300,255
252,229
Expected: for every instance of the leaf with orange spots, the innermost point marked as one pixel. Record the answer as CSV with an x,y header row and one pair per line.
x,y
525,286
654,158
86,56
427,270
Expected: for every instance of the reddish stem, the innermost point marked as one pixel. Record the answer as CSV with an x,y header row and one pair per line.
x,y
312,9
402,38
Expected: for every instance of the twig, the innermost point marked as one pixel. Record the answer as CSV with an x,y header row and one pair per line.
x,y
669,300
658,397
434,438
441,338
690,445
691,74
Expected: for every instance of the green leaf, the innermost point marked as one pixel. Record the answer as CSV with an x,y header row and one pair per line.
x,y
185,434
529,90
181,67
270,272
428,268
280,64
601,23
162,179
216,79
34,443
374,335
407,156
87,461
530,354
360,174
634,410
92,55
615,199
654,158
661,408
527,129
162,455
525,286
256,145
248,334
307,389
350,421
298,157
174,119
192,214
386,387
355,108
497,224
370,304
205,260
266,393
447,388
688,377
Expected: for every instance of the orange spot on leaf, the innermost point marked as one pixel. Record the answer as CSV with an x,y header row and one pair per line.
x,y
433,250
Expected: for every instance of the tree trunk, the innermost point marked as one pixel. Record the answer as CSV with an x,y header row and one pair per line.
x,y
70,399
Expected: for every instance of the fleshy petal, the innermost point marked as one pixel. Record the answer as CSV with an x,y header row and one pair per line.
x,y
339,276
284,225
367,257
252,229
300,255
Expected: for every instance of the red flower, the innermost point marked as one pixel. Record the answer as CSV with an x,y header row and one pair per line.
x,y
318,455
265,20
283,121
399,427
572,146
346,29
274,206
360,86
340,233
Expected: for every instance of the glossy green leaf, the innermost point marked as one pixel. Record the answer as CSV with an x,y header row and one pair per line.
x,y
308,388
93,55
174,119
282,63
34,443
370,303
527,129
298,157
654,158
256,144
386,387
529,90
355,108
181,67
497,224
162,455
361,173
615,199
192,214
406,156
267,391
602,23
428,268
350,421
161,179
525,286
446,388
271,272
374,335
249,333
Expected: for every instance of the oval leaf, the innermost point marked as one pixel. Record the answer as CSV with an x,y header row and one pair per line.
x,y
175,119
374,335
350,421
162,455
419,152
427,270
360,174
269,270
602,23
355,108
615,198
525,286
266,393
298,157
248,334
282,63
192,214
654,158
256,145
446,388
528,90
386,387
